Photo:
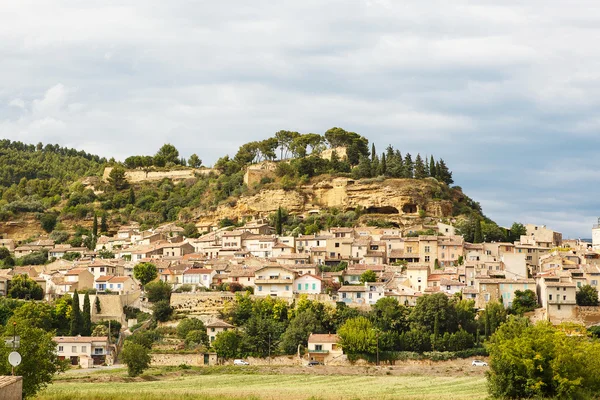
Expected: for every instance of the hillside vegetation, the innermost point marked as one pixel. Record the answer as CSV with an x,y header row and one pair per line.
x,y
61,189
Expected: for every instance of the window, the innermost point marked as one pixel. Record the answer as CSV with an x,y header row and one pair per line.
x,y
98,351
443,255
409,249
594,283
84,349
337,245
212,338
287,287
73,349
101,269
60,349
565,298
306,286
370,295
299,286
260,288
314,286
427,258
419,279
549,297
344,295
318,347
487,297
212,329
427,249
448,287
358,295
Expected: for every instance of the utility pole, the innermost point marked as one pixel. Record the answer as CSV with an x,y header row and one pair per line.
x,y
269,348
377,336
14,343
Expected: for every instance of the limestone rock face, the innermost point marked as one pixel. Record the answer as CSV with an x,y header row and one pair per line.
x,y
394,197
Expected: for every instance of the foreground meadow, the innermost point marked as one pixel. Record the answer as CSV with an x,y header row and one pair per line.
x,y
229,384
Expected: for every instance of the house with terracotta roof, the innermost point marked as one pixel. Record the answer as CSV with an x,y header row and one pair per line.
x,y
275,281
216,327
85,351
324,347
199,276
368,293
118,284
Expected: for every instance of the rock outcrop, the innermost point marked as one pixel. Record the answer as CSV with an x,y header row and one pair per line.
x,y
392,197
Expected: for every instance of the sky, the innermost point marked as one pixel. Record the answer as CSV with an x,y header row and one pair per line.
x,y
506,92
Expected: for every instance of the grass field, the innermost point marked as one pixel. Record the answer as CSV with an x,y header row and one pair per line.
x,y
196,384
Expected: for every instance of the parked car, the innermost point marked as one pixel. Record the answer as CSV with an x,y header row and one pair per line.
x,y
240,362
313,363
479,363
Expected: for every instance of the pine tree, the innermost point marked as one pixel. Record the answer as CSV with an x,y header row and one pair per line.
x,y
375,166
95,226
382,166
103,224
419,168
131,196
334,161
86,327
363,169
444,174
76,320
432,169
408,166
396,166
279,225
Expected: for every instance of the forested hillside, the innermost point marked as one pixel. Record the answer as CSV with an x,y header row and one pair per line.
x,y
45,183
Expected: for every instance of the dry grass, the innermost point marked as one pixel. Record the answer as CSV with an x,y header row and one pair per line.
x,y
267,386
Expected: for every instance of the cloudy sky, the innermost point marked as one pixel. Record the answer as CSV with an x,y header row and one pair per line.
x,y
507,92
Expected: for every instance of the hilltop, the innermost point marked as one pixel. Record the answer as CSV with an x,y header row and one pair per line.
x,y
58,191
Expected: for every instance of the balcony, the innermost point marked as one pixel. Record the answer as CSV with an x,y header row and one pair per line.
x,y
263,280
318,351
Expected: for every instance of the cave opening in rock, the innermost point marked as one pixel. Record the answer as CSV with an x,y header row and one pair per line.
x,y
409,208
382,210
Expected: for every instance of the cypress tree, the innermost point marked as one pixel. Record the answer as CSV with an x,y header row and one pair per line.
x,y
432,170
383,165
478,236
408,166
97,304
419,168
103,224
279,225
373,152
375,166
436,330
76,320
131,196
86,328
95,226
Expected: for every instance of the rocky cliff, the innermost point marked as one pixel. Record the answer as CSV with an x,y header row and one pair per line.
x,y
392,197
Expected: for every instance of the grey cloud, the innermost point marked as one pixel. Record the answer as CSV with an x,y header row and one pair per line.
x,y
506,92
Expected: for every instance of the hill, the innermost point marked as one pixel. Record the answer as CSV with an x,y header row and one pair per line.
x,y
61,191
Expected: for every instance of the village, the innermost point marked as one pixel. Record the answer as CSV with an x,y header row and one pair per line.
x,y
355,266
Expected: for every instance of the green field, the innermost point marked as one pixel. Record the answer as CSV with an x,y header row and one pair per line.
x,y
196,385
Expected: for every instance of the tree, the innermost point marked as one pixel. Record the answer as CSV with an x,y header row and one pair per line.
x,y
492,317
103,224
279,225
299,330
23,287
197,338
162,310
587,296
262,335
145,272
389,315
227,344
4,253
363,169
117,178
432,306
408,166
131,196
478,235
144,338
443,173
48,221
420,172
516,231
189,324
97,305
542,361
432,167
524,301
76,317
194,161
358,335
39,358
168,154
86,329
368,276
137,358
95,226
157,291
99,331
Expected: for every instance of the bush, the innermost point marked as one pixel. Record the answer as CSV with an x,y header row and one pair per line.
x,y
137,358
195,338
157,291
145,338
189,324
162,310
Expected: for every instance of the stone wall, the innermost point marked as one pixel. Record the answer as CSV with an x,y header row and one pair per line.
x,y
133,176
178,359
11,387
254,173
200,302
